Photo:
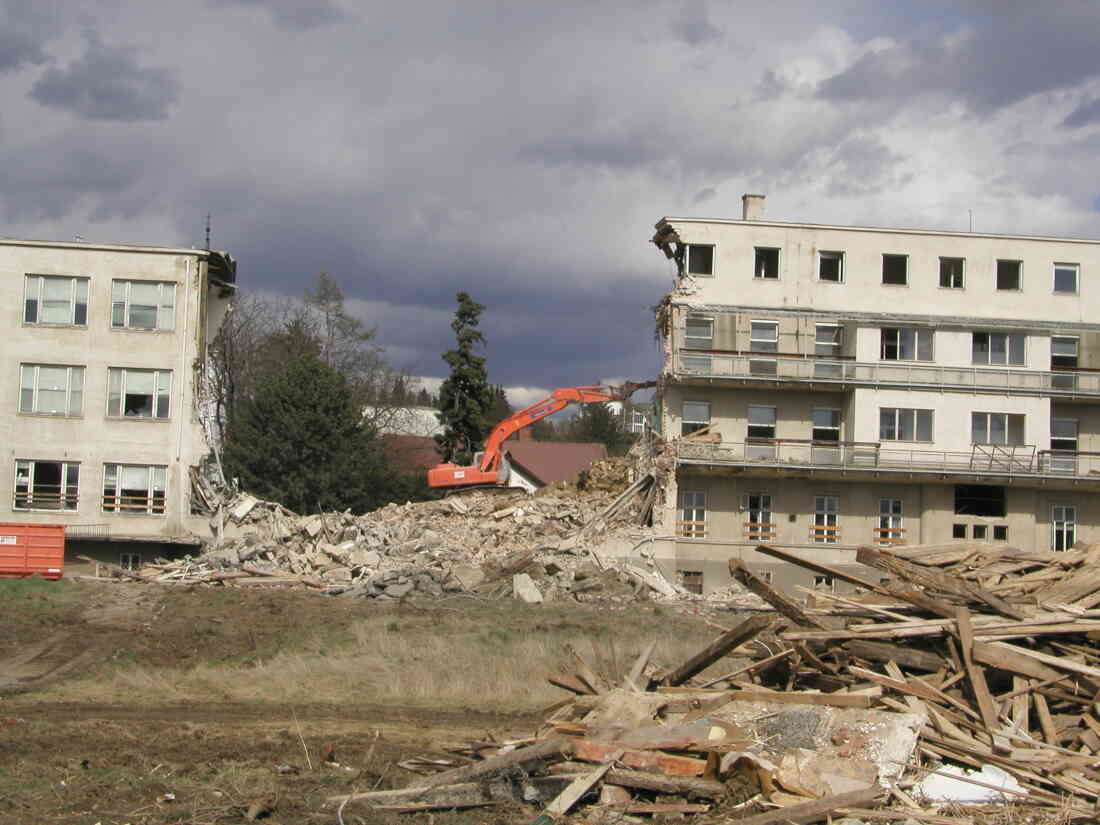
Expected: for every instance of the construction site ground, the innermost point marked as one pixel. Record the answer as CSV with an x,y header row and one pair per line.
x,y
141,703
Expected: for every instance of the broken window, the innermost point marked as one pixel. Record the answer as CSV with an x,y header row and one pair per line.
x,y
958,531
143,305
1008,275
895,269
1065,278
983,500
1063,525
131,488
906,344
51,390
759,525
46,485
826,424
830,267
692,580
1005,429
767,263
700,260
901,424
826,519
951,273
996,348
53,299
693,508
138,393
694,416
1000,532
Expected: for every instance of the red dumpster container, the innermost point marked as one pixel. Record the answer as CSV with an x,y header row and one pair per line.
x,y
32,549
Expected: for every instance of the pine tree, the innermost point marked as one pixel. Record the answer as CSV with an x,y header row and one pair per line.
x,y
301,441
500,408
465,397
599,423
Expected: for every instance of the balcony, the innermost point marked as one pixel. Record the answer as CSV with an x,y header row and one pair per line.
x,y
772,368
845,458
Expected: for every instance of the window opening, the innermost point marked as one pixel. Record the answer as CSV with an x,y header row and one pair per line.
x,y
53,299
134,489
759,526
951,273
1008,275
693,511
997,348
1004,429
138,393
700,260
1000,532
826,519
906,344
1063,356
826,424
699,332
890,530
958,531
695,415
1063,525
767,263
902,424
51,390
830,267
895,269
1065,278
978,532
143,305
46,485
763,337
980,500
129,561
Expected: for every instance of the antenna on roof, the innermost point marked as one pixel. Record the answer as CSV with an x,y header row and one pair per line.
x,y
207,231
970,212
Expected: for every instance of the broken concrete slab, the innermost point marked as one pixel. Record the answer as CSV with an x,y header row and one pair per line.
x,y
525,589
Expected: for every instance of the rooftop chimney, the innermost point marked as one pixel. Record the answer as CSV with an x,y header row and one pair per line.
x,y
752,207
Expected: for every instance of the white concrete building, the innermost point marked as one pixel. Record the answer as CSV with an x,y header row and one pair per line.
x,y
102,352
868,386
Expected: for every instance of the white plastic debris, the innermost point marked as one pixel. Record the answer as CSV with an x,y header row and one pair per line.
x,y
939,788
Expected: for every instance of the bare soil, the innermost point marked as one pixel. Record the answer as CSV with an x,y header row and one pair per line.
x,y
139,759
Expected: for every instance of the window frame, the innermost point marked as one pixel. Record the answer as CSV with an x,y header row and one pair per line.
x,y
1019,275
891,521
899,342
694,425
1066,265
899,413
831,255
749,422
815,427
72,370
156,399
127,324
79,286
760,274
756,527
1007,428
1068,529
688,259
67,495
895,255
1009,338
151,506
944,259
697,507
696,341
826,519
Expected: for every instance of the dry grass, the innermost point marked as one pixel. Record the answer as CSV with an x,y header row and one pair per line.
x,y
430,657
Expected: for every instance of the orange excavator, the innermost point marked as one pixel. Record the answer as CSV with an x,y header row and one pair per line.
x,y
490,466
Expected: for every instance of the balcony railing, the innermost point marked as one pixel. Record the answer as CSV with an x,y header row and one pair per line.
x,y
982,459
809,368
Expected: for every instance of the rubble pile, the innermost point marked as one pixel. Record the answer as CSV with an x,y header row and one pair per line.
x,y
966,676
488,542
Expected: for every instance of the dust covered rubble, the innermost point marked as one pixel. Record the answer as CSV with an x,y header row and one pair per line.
x,y
489,543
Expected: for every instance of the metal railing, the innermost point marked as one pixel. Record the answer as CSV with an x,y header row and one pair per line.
x,y
762,366
870,455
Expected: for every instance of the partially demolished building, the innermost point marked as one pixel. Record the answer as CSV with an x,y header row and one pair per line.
x,y
829,387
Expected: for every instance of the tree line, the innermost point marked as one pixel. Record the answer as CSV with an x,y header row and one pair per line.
x,y
299,391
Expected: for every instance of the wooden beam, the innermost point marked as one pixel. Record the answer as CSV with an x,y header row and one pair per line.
x,y
773,597
816,811
735,637
533,756
825,570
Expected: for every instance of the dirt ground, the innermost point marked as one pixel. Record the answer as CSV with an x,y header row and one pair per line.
x,y
137,757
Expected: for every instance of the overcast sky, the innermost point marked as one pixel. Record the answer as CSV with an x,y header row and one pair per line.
x,y
522,151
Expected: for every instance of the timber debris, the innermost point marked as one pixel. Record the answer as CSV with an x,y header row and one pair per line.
x,y
966,674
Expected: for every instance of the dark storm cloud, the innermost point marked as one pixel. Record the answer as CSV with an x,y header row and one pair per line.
x,y
46,180
305,14
108,84
24,29
1084,115
1012,51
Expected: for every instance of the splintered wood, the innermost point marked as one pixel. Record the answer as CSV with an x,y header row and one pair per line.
x,y
966,657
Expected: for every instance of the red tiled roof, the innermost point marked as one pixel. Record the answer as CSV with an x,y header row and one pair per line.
x,y
550,461
411,453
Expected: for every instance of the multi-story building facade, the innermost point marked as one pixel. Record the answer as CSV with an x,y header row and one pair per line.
x,y
830,387
104,350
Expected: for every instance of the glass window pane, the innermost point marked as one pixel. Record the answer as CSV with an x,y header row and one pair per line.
x,y
764,416
1016,350
998,349
997,429
1065,278
114,392
924,425
887,424
139,382
166,318
924,345
1063,346
980,348
906,429
979,428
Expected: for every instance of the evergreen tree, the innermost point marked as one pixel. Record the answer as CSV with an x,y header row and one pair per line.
x,y
465,397
500,408
300,440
